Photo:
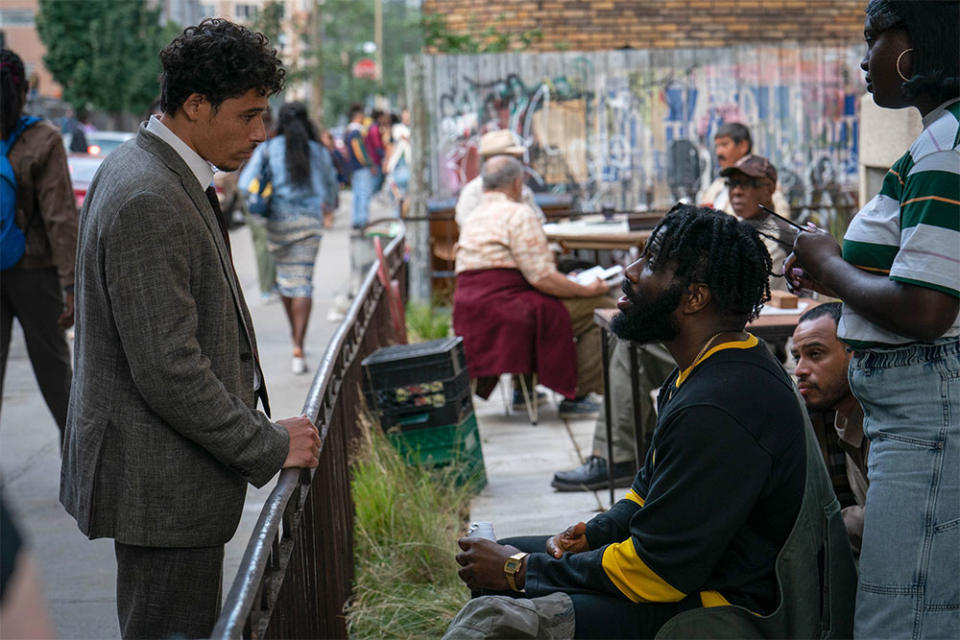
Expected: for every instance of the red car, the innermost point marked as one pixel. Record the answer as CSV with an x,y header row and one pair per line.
x,y
82,169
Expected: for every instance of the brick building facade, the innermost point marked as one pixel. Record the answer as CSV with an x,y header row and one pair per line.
x,y
587,25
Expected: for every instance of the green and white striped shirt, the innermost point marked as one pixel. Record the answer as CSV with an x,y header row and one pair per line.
x,y
911,229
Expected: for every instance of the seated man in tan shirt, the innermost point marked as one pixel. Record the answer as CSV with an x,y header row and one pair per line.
x,y
514,310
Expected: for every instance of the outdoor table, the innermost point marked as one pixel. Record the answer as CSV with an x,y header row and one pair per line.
x,y
773,324
596,233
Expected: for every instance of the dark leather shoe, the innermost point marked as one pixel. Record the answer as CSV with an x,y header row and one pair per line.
x,y
592,475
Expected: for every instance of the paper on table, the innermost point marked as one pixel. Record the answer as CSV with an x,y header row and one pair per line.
x,y
611,275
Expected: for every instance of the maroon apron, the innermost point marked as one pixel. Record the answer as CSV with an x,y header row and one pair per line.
x,y
507,326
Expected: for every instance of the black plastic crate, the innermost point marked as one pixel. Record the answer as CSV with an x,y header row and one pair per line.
x,y
406,364
419,396
451,412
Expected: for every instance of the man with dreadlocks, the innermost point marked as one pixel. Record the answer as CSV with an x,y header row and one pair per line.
x,y
722,482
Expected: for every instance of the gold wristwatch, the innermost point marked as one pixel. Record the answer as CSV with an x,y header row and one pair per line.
x,y
511,567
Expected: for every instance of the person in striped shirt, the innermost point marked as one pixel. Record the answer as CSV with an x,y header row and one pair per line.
x,y
898,274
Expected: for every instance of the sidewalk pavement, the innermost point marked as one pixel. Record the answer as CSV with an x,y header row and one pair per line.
x,y
521,459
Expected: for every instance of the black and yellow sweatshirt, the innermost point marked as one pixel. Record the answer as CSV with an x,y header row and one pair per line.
x,y
716,497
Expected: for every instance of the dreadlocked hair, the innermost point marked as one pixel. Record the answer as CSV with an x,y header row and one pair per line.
x,y
13,91
714,248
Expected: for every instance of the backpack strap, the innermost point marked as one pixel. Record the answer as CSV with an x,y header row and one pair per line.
x,y
22,125
6,145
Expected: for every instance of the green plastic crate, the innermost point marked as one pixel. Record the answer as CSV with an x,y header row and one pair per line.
x,y
453,444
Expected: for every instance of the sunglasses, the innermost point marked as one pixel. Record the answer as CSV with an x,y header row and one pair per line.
x,y
755,183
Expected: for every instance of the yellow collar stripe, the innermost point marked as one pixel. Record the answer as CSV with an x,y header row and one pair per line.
x,y
631,575
749,343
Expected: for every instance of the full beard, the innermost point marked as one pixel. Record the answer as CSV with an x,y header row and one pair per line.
x,y
648,320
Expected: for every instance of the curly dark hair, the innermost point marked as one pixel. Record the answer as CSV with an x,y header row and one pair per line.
x,y
709,246
934,31
297,131
13,91
219,60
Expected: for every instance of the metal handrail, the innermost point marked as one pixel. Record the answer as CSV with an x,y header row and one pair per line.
x,y
272,537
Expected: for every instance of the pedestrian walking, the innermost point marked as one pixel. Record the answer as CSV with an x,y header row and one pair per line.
x,y
266,267
364,173
304,185
37,289
163,433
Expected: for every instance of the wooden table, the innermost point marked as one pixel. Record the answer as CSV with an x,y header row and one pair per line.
x,y
769,327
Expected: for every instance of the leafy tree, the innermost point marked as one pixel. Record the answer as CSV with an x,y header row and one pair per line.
x,y
269,21
347,25
104,53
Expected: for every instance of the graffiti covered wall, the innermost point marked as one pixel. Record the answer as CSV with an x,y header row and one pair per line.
x,y
634,129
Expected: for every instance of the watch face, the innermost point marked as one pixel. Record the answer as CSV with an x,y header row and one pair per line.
x,y
512,565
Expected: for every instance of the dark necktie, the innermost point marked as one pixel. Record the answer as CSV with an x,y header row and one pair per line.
x,y
261,388
215,203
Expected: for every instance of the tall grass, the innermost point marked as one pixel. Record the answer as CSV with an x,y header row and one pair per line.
x,y
427,322
407,522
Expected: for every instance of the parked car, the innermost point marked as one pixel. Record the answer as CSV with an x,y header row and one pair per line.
x,y
101,143
82,169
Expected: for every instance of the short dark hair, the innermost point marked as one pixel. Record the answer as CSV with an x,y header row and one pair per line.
x,y
709,246
832,309
13,91
935,37
219,60
355,109
736,132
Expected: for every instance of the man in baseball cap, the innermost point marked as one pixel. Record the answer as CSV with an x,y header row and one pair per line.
x,y
751,182
502,142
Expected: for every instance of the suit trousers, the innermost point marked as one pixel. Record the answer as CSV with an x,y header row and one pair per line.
x,y
34,297
168,591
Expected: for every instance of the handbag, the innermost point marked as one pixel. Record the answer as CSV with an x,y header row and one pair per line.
x,y
260,190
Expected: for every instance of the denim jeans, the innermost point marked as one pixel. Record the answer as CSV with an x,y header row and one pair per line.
x,y
909,584
362,182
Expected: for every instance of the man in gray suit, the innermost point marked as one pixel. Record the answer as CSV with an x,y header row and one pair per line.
x,y
163,433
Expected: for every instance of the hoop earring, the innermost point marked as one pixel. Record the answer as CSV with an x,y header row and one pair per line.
x,y
900,73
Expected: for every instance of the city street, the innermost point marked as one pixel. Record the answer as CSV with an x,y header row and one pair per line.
x,y
78,575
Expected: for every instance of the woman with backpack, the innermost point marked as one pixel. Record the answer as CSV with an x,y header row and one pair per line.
x,y
39,224
304,188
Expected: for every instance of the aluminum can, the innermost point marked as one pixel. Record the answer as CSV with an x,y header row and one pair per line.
x,y
482,529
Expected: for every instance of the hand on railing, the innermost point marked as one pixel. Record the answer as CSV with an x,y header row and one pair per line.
x,y
304,442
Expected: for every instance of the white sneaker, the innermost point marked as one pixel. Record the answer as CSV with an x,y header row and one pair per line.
x,y
298,365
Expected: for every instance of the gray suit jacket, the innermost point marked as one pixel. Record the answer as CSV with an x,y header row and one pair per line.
x,y
162,431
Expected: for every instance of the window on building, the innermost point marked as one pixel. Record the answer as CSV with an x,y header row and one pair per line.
x,y
208,10
245,11
16,17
